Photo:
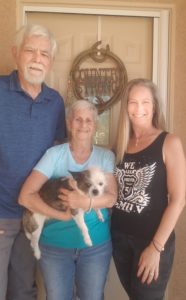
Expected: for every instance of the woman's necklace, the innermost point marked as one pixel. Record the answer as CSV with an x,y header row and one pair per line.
x,y
143,138
137,141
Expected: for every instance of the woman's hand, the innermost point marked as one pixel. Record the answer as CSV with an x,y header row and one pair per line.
x,y
75,198
148,267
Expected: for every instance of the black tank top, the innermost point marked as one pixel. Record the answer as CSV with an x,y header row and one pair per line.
x,y
142,191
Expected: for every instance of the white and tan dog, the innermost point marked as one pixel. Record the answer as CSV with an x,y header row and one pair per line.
x,y
91,182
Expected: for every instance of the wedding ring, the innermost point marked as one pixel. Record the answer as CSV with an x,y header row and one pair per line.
x,y
151,274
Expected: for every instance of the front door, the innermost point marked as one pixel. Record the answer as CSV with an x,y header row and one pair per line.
x,y
130,38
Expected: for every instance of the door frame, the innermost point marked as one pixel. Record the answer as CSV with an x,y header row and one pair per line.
x,y
163,37
161,21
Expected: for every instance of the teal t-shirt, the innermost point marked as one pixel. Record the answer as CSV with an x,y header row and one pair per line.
x,y
66,234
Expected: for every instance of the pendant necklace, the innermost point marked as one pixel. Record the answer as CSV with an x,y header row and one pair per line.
x,y
136,142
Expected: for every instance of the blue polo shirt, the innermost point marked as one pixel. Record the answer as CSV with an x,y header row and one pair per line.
x,y
27,128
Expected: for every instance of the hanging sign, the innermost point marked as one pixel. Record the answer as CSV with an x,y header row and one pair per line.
x,y
99,76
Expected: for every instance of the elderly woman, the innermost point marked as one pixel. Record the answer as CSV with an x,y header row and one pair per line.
x,y
65,258
151,174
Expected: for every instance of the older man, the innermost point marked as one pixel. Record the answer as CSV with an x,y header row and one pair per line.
x,y
32,118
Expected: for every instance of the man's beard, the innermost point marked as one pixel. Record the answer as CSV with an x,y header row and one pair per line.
x,y
34,79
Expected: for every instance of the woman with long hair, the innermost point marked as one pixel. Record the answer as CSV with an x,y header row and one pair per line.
x,y
151,175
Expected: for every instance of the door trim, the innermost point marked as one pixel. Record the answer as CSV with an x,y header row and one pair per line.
x,y
160,67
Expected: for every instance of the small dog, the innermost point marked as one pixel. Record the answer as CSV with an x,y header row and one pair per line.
x,y
91,182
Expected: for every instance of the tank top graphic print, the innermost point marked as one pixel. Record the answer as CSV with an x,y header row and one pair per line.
x,y
142,196
133,182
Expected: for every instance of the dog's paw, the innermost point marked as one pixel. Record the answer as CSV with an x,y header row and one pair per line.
x,y
28,235
88,242
100,216
37,254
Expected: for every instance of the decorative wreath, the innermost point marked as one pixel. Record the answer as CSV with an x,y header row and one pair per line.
x,y
103,85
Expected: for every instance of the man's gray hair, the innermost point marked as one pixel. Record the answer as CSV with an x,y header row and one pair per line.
x,y
38,30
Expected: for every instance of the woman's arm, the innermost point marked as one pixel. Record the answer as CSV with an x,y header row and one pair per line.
x,y
176,183
75,199
29,197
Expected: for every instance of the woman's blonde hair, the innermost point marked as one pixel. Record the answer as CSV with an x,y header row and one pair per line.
x,y
124,125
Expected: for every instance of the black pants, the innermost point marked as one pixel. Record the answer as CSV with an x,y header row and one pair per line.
x,y
126,253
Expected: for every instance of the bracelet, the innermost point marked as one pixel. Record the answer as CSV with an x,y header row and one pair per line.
x,y
162,247
90,205
157,249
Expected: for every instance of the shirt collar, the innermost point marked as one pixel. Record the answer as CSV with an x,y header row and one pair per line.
x,y
15,86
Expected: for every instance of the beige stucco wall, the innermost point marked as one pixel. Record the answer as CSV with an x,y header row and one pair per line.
x,y
7,28
177,286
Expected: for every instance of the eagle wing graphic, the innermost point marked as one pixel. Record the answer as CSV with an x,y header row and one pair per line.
x,y
144,176
120,176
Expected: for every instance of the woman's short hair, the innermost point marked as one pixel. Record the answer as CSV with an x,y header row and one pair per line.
x,y
38,30
81,104
124,125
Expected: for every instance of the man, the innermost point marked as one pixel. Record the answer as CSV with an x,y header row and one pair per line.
x,y
32,118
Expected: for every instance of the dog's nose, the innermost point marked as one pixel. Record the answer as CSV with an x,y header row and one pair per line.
x,y
95,192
